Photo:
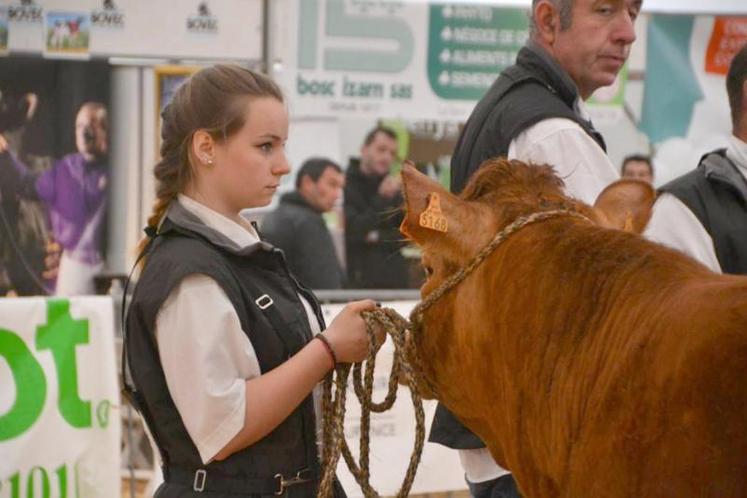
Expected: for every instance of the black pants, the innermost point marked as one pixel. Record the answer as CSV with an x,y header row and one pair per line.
x,y
502,487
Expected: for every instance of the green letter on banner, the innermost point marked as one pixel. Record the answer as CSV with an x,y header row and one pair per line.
x,y
31,388
60,335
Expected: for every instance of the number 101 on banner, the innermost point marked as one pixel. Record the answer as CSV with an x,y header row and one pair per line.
x,y
39,482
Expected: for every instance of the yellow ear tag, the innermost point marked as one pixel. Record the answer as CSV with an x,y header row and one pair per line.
x,y
628,222
433,217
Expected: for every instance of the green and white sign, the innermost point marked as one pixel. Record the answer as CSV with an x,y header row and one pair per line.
x,y
394,59
469,45
59,417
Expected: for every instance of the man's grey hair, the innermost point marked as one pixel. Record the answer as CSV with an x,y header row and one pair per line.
x,y
564,7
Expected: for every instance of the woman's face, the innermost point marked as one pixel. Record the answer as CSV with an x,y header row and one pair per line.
x,y
249,164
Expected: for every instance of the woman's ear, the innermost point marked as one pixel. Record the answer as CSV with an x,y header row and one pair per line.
x,y
203,147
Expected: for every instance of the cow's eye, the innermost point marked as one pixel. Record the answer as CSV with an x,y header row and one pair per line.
x,y
428,271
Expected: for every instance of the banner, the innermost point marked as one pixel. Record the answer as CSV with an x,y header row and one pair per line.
x,y
55,140
685,106
385,59
59,416
193,29
393,433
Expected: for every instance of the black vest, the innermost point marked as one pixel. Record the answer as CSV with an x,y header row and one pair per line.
x,y
530,91
716,192
249,277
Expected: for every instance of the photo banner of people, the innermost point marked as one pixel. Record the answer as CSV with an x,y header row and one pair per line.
x,y
3,30
54,175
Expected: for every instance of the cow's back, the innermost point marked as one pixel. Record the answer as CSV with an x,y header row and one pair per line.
x,y
614,373
671,420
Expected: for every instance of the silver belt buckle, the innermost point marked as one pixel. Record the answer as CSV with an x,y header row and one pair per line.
x,y
199,482
296,479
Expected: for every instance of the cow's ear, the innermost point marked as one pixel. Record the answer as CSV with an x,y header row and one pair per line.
x,y
626,205
427,205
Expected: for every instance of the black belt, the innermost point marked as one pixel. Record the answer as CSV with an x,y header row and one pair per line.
x,y
200,481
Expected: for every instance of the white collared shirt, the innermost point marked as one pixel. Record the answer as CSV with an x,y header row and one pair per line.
x,y
675,225
586,171
206,356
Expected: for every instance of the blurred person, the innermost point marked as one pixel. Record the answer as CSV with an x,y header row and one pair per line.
x,y
74,191
372,202
298,227
535,112
225,349
638,166
29,259
704,212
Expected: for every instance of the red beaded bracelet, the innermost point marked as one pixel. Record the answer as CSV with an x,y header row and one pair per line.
x,y
328,347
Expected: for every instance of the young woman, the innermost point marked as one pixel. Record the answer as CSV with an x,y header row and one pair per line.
x,y
220,336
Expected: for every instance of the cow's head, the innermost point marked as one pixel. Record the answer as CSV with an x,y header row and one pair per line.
x,y
451,229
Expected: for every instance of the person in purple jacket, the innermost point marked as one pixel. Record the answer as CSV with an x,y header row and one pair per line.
x,y
74,191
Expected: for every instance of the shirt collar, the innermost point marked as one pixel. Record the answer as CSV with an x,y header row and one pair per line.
x,y
242,234
736,152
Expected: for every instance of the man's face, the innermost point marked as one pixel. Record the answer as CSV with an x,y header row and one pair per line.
x,y
323,193
597,43
639,170
91,134
378,156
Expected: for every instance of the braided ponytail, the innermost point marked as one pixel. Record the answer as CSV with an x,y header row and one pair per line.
x,y
207,100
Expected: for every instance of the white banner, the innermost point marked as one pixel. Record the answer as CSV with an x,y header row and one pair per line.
x,y
226,29
393,434
59,400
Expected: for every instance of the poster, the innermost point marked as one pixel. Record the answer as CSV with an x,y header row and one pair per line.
x,y
693,53
3,29
383,59
168,79
67,33
54,175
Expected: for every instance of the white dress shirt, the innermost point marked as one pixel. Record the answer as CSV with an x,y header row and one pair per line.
x,y
674,224
206,356
586,171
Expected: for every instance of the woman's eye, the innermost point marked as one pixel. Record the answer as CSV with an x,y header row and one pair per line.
x,y
266,147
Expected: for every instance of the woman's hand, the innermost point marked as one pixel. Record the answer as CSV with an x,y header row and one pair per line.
x,y
347,333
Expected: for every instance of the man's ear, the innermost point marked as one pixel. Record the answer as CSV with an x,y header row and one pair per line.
x,y
427,205
305,183
546,20
626,205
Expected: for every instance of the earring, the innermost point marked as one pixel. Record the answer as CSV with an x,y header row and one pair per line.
x,y
208,160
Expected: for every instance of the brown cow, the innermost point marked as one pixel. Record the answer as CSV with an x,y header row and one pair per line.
x,y
592,362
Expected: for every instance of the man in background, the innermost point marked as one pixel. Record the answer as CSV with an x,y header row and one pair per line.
x,y
704,212
298,227
639,167
373,200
